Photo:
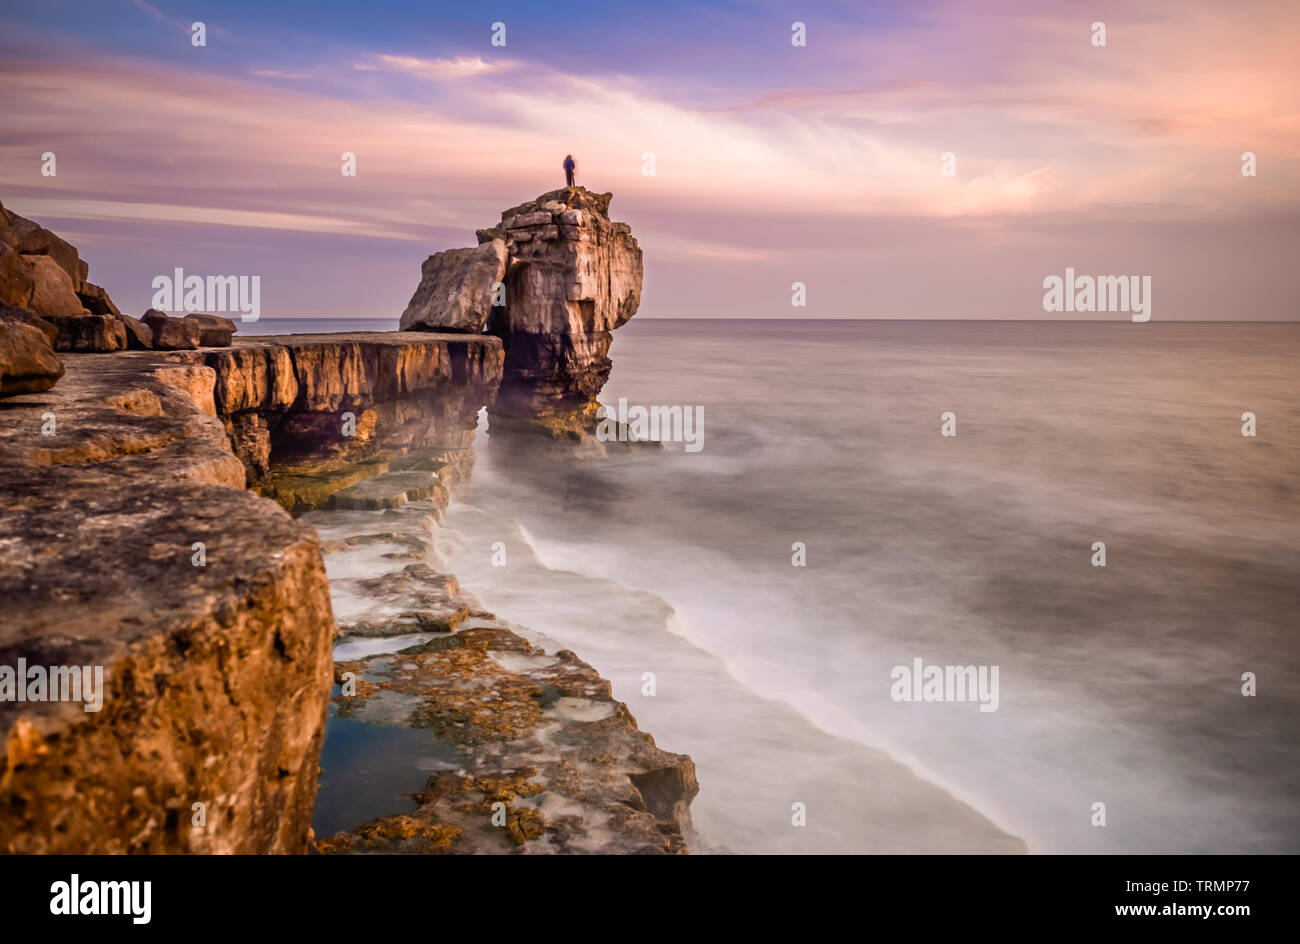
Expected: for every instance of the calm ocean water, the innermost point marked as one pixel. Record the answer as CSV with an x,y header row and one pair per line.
x,y
1119,685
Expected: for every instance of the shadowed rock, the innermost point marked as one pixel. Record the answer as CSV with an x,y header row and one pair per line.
x,y
456,289
139,336
27,361
87,333
214,330
173,334
337,400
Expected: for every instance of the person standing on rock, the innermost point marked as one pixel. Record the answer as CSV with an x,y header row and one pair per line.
x,y
569,168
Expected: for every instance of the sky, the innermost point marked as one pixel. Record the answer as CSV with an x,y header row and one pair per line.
x,y
774,163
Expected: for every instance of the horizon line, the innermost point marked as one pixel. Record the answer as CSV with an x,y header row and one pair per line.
x,y
945,318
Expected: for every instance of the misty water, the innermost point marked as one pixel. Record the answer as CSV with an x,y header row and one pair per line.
x,y
1119,685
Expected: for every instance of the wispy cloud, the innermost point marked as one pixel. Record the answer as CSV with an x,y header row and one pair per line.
x,y
158,15
278,74
83,209
458,68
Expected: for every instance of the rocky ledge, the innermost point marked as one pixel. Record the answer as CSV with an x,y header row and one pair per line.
x,y
128,541
534,755
550,761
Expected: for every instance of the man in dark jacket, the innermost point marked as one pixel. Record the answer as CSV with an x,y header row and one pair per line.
x,y
569,168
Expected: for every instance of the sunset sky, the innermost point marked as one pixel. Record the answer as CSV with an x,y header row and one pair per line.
x,y
774,163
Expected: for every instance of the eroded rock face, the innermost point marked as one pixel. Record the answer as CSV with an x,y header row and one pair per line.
x,y
343,400
216,677
456,289
571,277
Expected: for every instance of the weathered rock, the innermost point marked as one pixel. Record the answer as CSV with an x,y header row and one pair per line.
x,y
139,336
416,598
214,330
37,283
13,313
27,361
342,399
173,334
389,490
538,733
456,289
95,300
527,218
216,677
565,293
43,273
571,277
88,333
30,238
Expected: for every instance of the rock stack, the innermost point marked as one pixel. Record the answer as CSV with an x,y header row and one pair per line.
x,y
553,279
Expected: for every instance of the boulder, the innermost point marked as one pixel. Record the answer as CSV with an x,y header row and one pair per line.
x,y
139,336
37,283
95,300
173,334
14,313
214,331
88,334
44,274
519,220
32,239
27,361
456,289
